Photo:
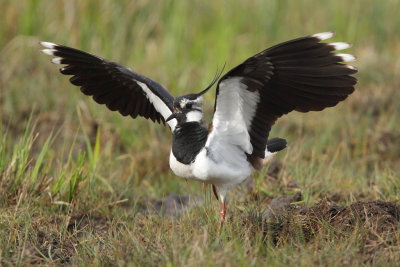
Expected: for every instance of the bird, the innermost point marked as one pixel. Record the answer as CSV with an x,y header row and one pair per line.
x,y
303,74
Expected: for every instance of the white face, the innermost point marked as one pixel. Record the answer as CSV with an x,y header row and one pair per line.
x,y
194,115
192,109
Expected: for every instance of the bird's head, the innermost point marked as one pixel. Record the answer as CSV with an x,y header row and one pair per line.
x,y
189,107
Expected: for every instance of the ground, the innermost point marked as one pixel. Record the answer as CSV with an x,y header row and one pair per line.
x,y
80,185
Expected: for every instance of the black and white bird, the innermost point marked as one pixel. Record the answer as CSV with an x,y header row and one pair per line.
x,y
303,74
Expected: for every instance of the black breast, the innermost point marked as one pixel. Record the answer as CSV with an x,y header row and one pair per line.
x,y
188,139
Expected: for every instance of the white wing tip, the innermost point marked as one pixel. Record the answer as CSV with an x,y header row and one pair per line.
x,y
323,35
346,57
340,45
56,60
351,67
49,52
48,45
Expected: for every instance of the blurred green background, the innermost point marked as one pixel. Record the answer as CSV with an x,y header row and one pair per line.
x,y
79,153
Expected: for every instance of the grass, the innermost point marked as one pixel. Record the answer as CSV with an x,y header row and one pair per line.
x,y
74,176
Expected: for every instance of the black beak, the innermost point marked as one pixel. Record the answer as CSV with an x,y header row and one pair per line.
x,y
172,116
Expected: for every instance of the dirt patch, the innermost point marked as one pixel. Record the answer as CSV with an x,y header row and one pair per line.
x,y
382,217
57,239
87,223
374,223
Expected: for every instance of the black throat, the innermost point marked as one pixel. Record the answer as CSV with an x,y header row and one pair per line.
x,y
188,139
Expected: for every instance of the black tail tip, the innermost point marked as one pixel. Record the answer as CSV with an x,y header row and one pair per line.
x,y
276,144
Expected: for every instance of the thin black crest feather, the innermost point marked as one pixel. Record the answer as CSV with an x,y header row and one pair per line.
x,y
218,74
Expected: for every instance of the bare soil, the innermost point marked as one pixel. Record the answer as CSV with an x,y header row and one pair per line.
x,y
373,223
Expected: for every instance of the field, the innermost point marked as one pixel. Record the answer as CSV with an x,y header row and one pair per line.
x,y
80,185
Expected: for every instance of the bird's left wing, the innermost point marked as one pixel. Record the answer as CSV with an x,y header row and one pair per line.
x,y
117,87
302,74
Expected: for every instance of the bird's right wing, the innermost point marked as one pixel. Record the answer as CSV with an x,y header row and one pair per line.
x,y
303,74
117,87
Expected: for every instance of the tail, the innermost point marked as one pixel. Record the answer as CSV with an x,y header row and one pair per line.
x,y
276,144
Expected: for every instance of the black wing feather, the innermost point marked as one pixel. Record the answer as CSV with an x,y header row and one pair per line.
x,y
302,74
111,84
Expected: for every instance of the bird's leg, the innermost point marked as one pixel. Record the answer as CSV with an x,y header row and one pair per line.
x,y
215,191
223,210
222,213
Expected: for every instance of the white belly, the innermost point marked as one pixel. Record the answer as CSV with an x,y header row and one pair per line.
x,y
179,168
218,172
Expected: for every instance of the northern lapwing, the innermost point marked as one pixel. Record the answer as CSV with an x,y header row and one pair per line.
x,y
303,74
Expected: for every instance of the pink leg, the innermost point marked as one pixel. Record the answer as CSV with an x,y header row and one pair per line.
x,y
222,213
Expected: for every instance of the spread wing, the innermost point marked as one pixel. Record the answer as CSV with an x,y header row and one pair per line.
x,y
117,87
302,74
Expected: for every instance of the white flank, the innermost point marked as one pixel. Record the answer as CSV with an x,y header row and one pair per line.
x,y
56,60
158,104
49,52
323,35
340,45
346,57
48,44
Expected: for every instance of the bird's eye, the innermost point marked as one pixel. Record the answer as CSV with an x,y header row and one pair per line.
x,y
189,105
